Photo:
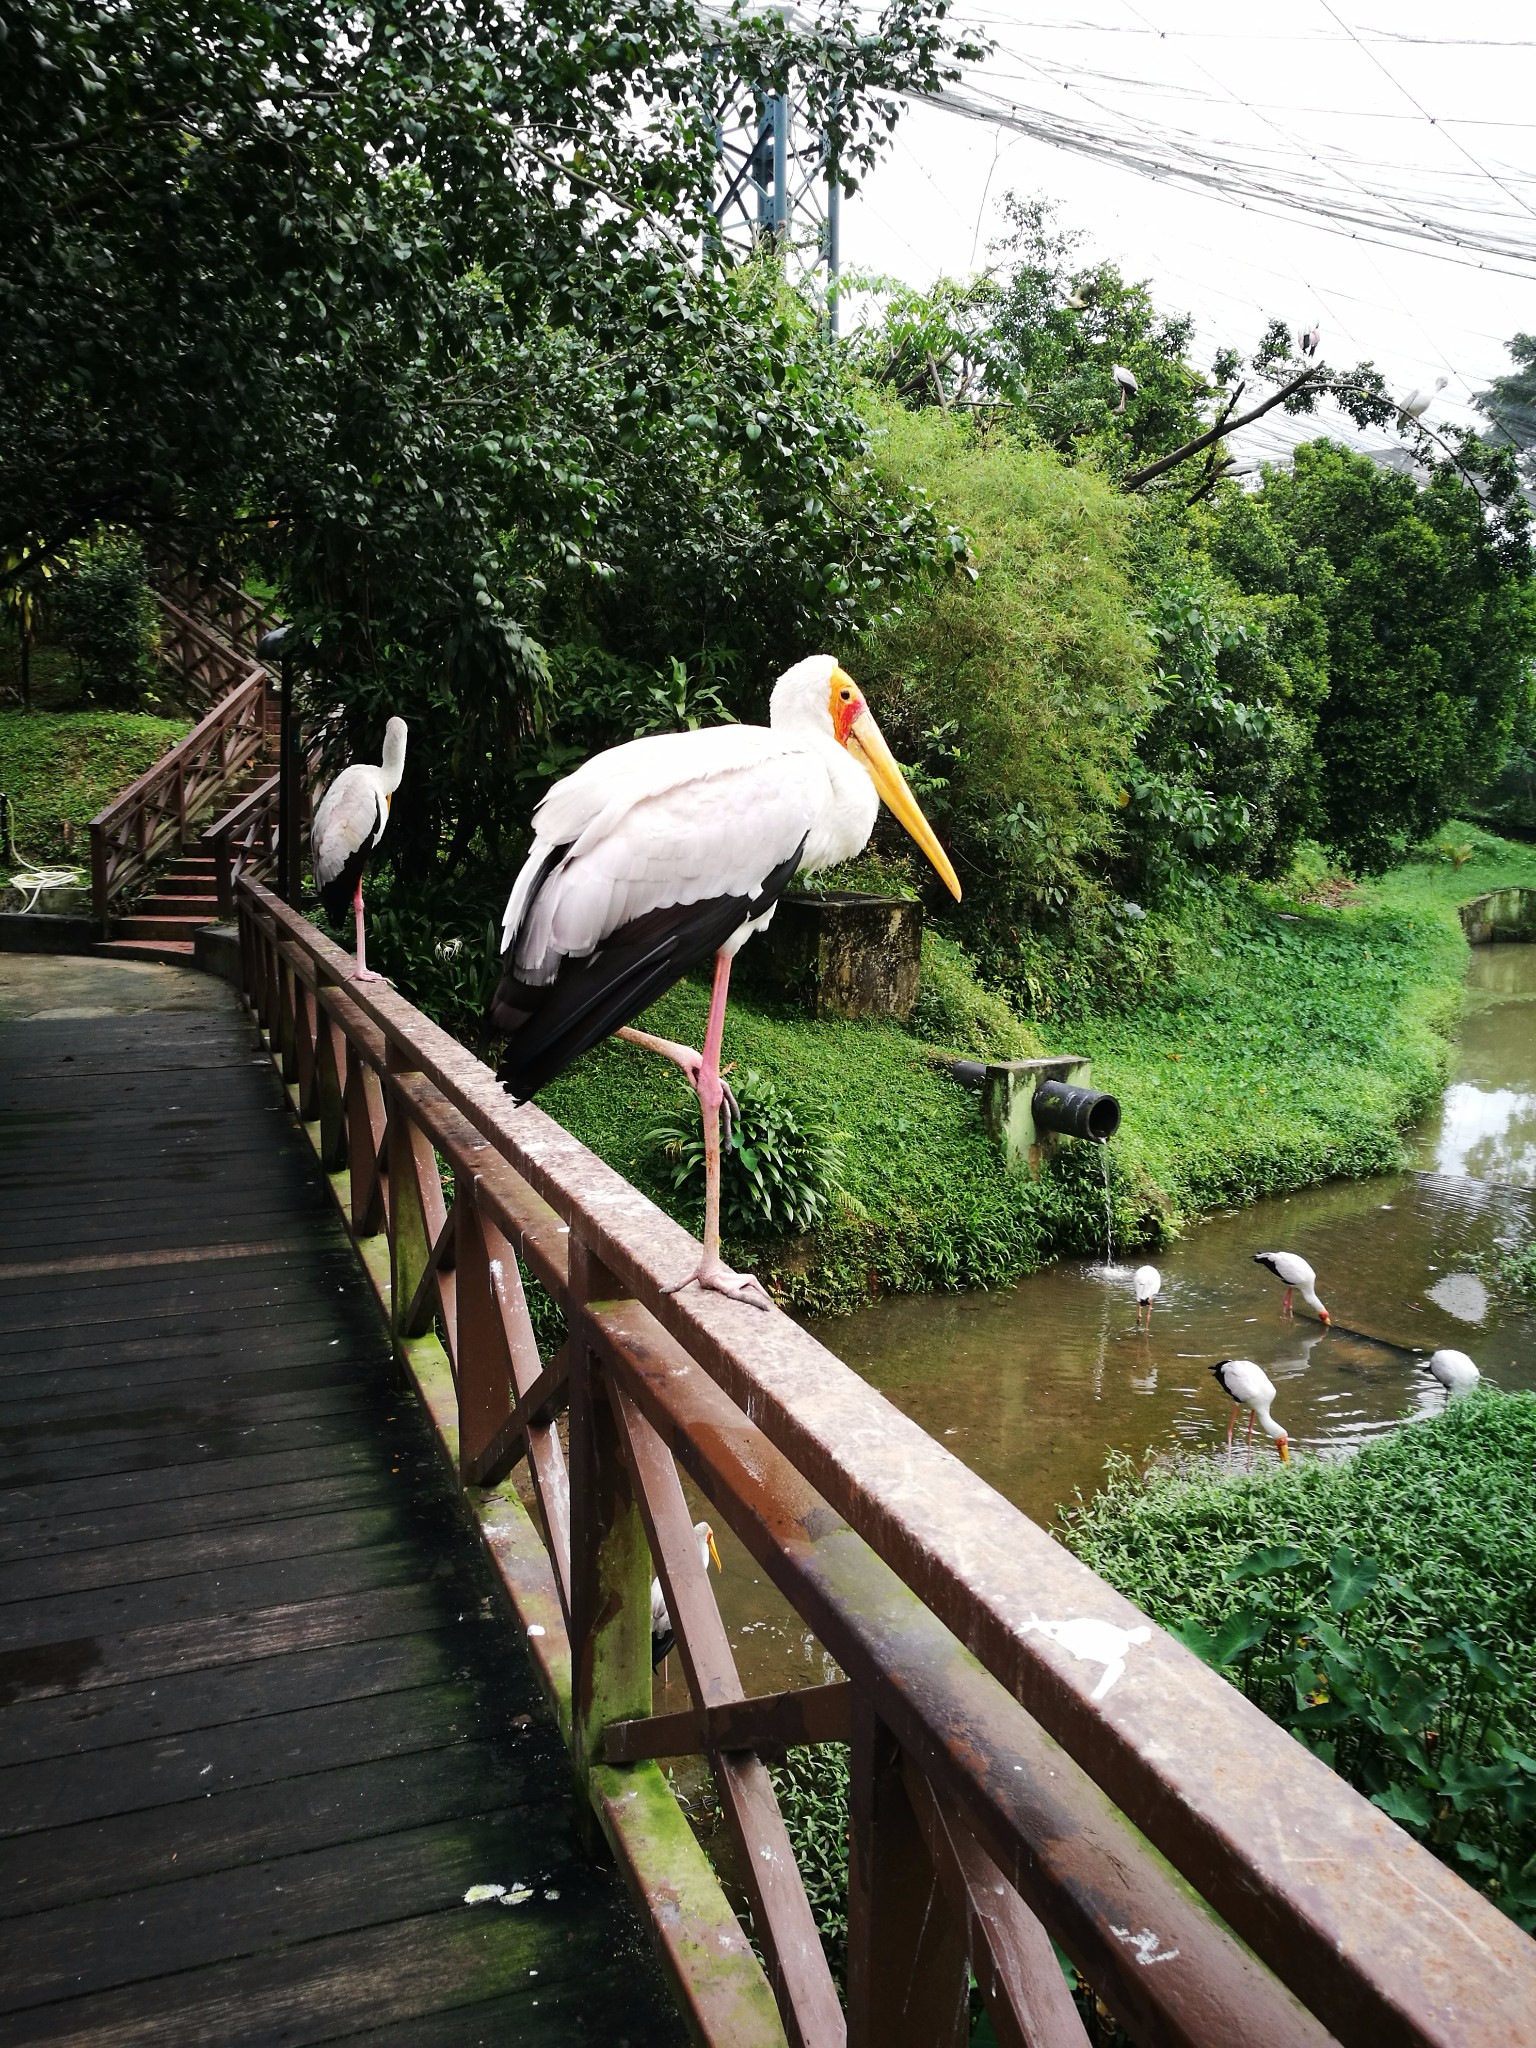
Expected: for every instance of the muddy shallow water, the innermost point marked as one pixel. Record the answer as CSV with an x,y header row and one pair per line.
x,y
1033,1384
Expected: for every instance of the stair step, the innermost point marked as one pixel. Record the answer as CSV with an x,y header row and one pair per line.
x,y
150,927
169,952
178,902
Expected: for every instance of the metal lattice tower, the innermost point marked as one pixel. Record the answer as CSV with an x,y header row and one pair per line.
x,y
774,183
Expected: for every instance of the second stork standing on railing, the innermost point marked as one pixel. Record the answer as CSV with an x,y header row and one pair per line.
x,y
348,825
655,856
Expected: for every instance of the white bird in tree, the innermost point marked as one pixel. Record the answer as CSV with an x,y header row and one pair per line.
x,y
1455,1372
1417,403
348,826
663,1635
1293,1271
659,855
1254,1390
1126,379
1149,1285
1309,340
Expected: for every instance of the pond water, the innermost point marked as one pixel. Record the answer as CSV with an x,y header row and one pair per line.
x,y
1034,1384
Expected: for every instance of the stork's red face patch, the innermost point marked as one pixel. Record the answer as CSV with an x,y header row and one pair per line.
x,y
846,703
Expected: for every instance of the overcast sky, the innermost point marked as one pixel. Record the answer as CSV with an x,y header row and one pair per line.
x,y
1405,112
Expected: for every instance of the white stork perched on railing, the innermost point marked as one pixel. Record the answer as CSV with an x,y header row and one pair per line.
x,y
656,856
348,825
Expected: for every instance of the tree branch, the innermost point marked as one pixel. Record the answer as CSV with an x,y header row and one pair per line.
x,y
1225,425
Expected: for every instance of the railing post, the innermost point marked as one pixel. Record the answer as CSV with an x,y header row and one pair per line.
x,y
101,901
908,1978
610,1558
417,1211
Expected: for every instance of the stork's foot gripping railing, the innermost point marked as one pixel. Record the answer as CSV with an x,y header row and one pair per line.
x,y
1030,1757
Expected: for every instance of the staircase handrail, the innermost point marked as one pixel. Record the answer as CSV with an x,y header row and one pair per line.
x,y
159,807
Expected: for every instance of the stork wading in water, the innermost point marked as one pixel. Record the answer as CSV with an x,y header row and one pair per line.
x,y
1249,1388
1454,1371
663,1635
656,856
348,825
1148,1283
1293,1272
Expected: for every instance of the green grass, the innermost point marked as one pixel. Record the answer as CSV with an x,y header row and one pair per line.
x,y
64,766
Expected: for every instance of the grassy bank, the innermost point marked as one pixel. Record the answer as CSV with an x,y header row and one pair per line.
x,y
60,768
1291,1043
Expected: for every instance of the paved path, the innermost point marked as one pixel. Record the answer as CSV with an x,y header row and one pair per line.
x,y
259,1731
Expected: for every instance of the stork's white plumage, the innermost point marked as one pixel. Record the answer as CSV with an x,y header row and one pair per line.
x,y
1310,340
1148,1283
1126,379
655,856
1455,1372
348,826
1293,1271
1247,1387
663,1635
1417,403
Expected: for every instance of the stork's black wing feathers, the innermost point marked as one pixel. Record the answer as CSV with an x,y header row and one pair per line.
x,y
337,894
549,1027
1268,1259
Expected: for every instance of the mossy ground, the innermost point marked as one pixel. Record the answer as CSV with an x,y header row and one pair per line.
x,y
61,767
1292,1043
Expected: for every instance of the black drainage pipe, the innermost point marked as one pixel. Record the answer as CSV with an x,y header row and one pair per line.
x,y
1075,1112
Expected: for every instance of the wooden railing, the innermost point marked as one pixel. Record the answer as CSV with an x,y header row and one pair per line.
x,y
244,840
203,665
1030,1757
232,613
158,810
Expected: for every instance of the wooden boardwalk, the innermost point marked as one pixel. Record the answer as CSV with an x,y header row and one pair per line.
x,y
261,1726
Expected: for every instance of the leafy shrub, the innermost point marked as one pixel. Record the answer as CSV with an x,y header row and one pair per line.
x,y
104,614
812,1787
1017,695
778,1174
1415,1731
955,1011
1405,1574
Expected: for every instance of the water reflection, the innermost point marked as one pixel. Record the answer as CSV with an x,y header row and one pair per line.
x,y
1487,1122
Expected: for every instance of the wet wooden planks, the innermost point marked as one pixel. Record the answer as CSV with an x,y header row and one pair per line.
x,y
261,1726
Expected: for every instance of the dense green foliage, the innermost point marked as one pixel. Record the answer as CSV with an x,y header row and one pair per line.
x,y
1381,1608
779,1174
1016,695
1429,608
103,613
63,767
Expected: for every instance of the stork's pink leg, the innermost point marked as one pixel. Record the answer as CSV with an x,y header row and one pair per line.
x,y
1232,1424
1285,1305
712,1270
362,971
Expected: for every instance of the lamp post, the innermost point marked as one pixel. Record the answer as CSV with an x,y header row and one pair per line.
x,y
286,647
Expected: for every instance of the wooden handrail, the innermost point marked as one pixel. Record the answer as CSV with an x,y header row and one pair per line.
x,y
1026,1747
157,809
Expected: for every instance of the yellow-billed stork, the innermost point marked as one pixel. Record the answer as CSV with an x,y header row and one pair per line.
x,y
1148,1283
1293,1271
348,825
663,1635
1247,1387
658,855
1454,1371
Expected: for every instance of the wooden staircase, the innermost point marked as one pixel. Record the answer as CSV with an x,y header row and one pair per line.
x,y
164,926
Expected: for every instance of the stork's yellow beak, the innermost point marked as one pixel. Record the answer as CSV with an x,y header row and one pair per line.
x,y
867,741
714,1554
1283,1446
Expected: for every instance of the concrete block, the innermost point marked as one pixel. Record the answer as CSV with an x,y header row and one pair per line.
x,y
38,933
216,950
841,954
1007,1099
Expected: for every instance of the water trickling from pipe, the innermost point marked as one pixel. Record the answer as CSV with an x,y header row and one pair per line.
x,y
1109,1211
